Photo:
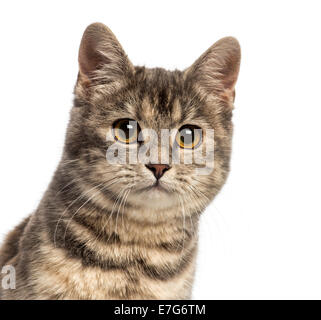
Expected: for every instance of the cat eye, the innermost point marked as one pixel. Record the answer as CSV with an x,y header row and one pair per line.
x,y
189,137
126,130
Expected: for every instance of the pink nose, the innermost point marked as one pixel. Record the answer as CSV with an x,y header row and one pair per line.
x,y
158,169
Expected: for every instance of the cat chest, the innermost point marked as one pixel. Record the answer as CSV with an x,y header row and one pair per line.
x,y
70,278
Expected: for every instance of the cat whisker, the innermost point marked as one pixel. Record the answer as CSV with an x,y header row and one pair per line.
x,y
110,182
129,190
112,211
183,213
119,207
64,212
90,198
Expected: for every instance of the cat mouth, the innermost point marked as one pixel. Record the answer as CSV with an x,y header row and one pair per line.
x,y
156,186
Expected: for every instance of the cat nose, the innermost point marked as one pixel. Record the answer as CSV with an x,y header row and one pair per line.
x,y
158,169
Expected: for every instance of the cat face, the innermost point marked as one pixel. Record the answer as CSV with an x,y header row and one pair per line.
x,y
156,113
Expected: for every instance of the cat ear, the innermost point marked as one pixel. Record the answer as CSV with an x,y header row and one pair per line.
x,y
101,57
216,71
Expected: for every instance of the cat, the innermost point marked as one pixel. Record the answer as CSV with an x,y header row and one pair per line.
x,y
126,231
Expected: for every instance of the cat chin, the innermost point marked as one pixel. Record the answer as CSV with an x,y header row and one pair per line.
x,y
153,211
154,199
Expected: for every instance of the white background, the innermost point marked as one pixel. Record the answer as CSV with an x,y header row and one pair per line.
x,y
261,237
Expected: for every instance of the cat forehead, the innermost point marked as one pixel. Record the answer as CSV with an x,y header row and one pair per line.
x,y
160,114
161,98
159,86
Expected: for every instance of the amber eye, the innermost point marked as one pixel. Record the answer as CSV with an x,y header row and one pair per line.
x,y
189,137
126,130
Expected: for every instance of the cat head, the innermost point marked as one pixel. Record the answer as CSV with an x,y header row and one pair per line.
x,y
118,104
